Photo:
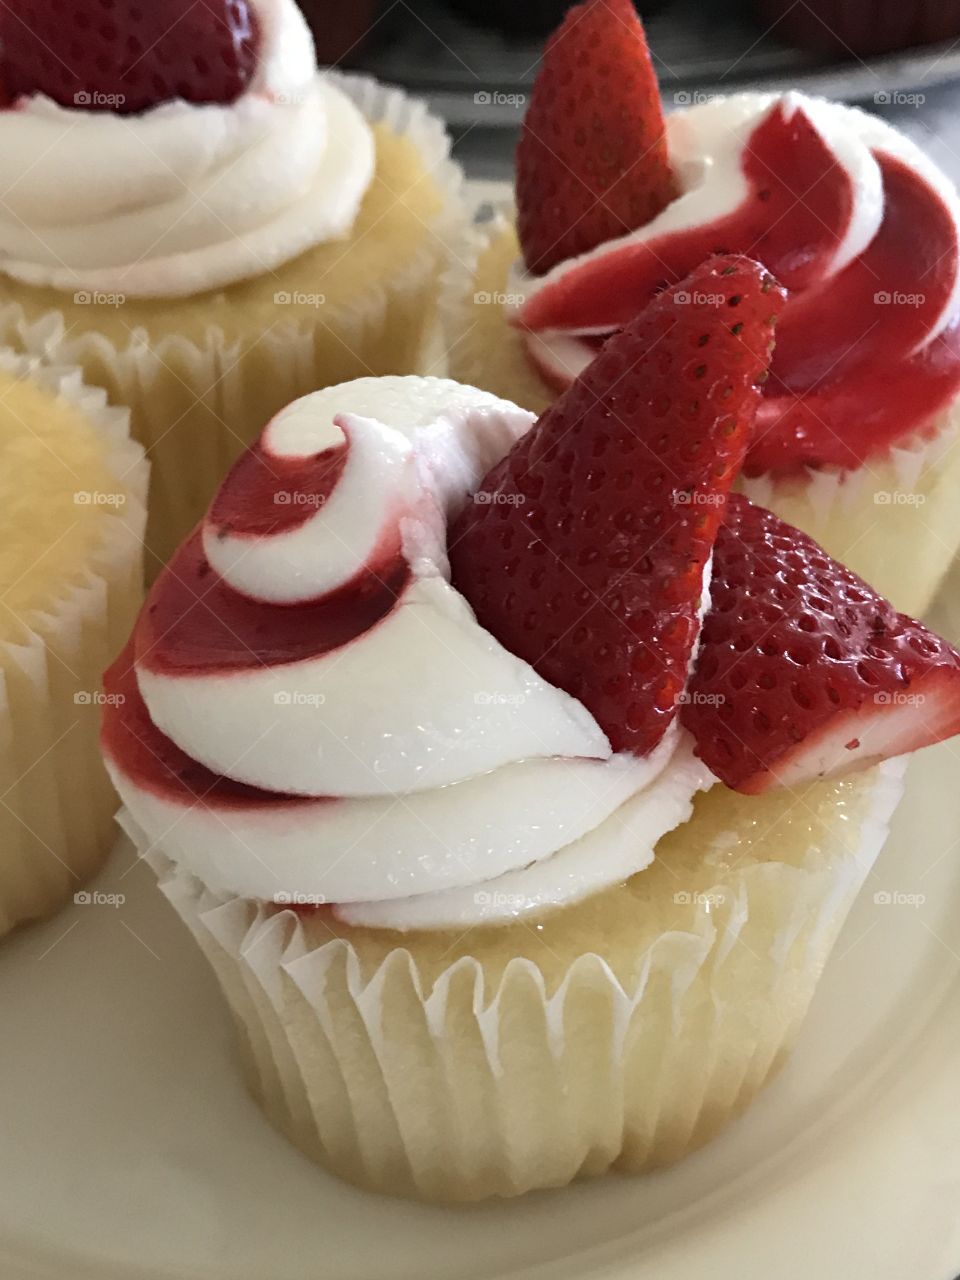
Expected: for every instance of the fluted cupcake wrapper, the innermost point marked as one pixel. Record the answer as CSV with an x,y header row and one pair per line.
x,y
57,806
196,404
468,1087
895,520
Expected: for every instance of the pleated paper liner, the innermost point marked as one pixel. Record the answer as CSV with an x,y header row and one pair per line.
x,y
203,376
57,802
620,1034
895,521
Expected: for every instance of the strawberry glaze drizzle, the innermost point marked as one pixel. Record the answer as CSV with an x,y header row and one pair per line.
x,y
264,494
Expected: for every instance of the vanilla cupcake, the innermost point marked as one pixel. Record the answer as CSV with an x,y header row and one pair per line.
x,y
213,228
72,493
433,779
857,436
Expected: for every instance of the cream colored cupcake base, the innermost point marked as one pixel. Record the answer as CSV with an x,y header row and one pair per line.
x,y
895,521
124,1102
56,803
620,1034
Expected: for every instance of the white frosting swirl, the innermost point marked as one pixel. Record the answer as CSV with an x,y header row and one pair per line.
x,y
185,197
467,788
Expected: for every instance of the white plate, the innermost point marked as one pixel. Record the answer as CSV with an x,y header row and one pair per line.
x,y
130,1150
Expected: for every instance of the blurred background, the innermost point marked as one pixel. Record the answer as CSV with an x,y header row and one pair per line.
x,y
475,60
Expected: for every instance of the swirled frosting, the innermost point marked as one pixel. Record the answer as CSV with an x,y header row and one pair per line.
x,y
848,214
308,711
185,197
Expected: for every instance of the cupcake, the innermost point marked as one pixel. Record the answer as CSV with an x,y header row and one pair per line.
x,y
73,488
209,227
856,436
510,871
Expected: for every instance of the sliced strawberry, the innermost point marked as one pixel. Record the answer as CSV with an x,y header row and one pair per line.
x,y
804,671
584,549
592,160
128,55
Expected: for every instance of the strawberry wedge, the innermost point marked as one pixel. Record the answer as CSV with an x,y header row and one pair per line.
x,y
585,548
804,671
592,159
125,56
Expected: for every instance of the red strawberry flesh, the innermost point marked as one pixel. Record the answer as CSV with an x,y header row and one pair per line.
x,y
586,553
128,55
592,159
804,670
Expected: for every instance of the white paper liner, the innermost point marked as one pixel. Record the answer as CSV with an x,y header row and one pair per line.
x,y
474,1087
895,520
57,803
195,407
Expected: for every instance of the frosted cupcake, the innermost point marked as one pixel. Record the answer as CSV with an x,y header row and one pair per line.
x,y
856,437
432,774
72,494
209,227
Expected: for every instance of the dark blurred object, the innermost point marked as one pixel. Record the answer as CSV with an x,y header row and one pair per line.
x,y
863,27
341,28
480,78
528,17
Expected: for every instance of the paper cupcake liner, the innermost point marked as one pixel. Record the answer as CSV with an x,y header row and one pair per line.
x,y
895,520
56,802
470,1086
195,406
